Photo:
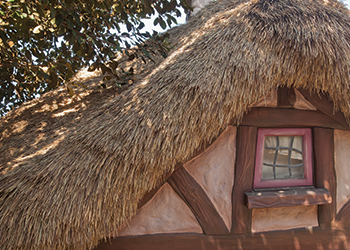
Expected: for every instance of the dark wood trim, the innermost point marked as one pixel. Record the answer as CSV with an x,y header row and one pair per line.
x,y
198,201
289,197
307,239
277,117
244,170
322,103
285,97
343,216
325,176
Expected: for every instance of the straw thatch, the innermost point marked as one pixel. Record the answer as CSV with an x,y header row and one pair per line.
x,y
73,171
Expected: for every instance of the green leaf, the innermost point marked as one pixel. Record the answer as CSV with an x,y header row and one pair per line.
x,y
53,12
53,79
156,21
61,30
28,54
70,25
81,40
3,35
141,26
70,91
107,78
146,52
59,19
129,26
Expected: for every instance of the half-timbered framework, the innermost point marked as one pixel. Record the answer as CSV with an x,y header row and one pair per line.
x,y
330,231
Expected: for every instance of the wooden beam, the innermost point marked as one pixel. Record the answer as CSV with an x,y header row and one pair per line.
x,y
285,97
310,239
322,103
289,197
198,201
343,216
325,172
276,117
244,170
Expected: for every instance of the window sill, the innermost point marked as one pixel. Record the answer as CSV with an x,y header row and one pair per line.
x,y
287,197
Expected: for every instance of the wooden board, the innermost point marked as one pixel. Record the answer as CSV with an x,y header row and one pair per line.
x,y
325,172
198,201
244,169
307,239
290,118
289,197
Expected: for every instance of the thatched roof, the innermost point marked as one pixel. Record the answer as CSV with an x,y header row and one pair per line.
x,y
73,170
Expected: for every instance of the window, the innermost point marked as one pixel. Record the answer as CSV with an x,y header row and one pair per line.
x,y
283,158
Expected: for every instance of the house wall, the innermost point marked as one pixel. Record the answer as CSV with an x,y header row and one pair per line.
x,y
283,218
342,163
166,212
214,172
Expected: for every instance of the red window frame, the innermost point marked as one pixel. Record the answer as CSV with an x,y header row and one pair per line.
x,y
307,158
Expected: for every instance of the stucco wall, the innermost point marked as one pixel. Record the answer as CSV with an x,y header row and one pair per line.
x,y
283,218
342,166
166,212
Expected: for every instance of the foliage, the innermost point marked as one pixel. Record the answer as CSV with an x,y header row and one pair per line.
x,y
44,42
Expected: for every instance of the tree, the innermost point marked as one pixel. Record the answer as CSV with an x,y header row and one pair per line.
x,y
43,43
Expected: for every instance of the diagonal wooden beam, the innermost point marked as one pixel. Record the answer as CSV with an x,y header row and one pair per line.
x,y
322,103
198,201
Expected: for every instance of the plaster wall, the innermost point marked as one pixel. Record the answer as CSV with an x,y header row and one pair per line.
x,y
214,172
342,166
166,212
283,218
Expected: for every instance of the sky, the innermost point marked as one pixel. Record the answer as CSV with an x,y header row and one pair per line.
x,y
347,3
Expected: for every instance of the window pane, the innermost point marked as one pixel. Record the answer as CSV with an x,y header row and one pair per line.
x,y
283,158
